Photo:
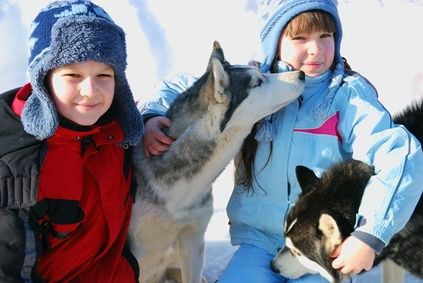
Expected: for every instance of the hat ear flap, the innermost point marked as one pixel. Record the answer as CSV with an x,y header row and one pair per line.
x,y
39,117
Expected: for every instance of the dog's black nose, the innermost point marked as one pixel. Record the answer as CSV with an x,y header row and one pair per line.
x,y
273,268
301,76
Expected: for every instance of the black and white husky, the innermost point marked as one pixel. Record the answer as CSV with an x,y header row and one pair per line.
x,y
210,121
324,216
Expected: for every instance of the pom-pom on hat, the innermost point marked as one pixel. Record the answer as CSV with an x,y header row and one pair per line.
x,y
68,32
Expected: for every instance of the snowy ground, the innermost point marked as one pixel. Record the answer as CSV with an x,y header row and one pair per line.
x,y
382,40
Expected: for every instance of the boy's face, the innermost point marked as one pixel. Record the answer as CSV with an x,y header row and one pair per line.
x,y
311,53
82,92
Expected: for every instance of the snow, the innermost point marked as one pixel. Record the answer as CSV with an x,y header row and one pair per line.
x,y
382,40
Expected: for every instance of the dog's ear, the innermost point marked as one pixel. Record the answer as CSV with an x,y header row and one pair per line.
x,y
217,53
330,230
306,177
218,80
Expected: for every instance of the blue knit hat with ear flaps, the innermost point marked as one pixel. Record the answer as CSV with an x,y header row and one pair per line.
x,y
73,31
275,15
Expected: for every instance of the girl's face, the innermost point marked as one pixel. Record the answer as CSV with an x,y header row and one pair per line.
x,y
82,92
311,53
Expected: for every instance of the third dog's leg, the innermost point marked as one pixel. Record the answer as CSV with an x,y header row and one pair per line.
x,y
191,252
392,273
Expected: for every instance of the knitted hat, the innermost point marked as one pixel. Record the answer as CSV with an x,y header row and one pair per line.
x,y
73,31
275,14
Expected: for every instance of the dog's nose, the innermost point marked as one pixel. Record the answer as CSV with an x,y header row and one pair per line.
x,y
301,76
273,267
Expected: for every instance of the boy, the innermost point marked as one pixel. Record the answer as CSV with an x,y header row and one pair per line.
x,y
65,195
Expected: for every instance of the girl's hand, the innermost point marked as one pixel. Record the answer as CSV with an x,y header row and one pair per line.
x,y
354,256
156,142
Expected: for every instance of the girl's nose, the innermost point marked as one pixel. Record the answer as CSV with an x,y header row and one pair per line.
x,y
313,47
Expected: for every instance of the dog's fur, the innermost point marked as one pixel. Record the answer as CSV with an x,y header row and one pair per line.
x,y
325,215
210,120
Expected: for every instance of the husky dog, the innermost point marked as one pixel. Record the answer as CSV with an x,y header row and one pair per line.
x,y
210,121
324,216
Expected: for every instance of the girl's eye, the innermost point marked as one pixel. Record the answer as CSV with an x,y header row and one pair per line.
x,y
326,35
298,38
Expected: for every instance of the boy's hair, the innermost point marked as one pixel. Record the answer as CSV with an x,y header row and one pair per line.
x,y
309,22
68,32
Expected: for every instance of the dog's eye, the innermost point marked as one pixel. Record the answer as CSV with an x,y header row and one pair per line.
x,y
258,83
295,252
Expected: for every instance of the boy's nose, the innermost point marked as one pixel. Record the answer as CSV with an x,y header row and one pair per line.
x,y
87,87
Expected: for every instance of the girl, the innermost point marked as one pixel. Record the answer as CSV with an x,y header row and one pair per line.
x,y
337,117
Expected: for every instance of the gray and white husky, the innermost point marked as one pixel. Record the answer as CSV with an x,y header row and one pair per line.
x,y
210,121
324,216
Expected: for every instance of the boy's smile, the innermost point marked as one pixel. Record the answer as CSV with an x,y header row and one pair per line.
x,y
82,92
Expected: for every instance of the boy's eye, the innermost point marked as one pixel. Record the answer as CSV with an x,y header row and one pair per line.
x,y
71,75
106,75
298,38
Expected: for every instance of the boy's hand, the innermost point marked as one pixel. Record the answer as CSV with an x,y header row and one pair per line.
x,y
155,140
354,256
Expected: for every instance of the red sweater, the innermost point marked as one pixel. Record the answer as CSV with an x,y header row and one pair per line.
x,y
87,168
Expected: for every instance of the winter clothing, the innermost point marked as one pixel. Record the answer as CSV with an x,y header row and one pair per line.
x,y
275,15
73,31
65,203
338,117
357,122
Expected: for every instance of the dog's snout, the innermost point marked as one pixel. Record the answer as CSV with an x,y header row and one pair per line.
x,y
301,76
273,267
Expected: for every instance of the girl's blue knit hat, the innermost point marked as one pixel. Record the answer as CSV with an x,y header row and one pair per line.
x,y
275,15
73,31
